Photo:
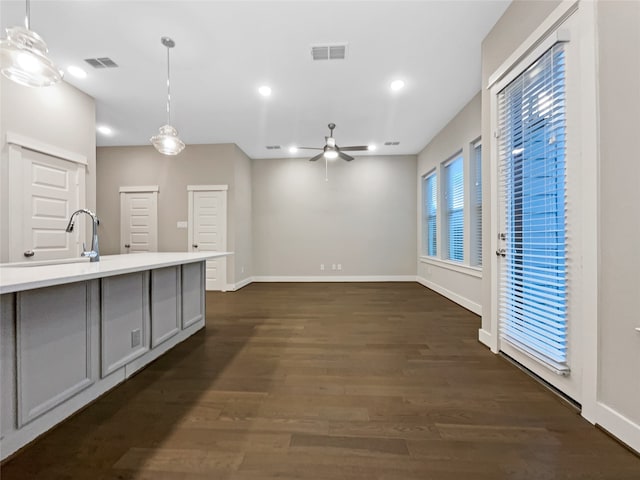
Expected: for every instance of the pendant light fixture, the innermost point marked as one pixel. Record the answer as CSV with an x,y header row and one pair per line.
x,y
24,57
167,141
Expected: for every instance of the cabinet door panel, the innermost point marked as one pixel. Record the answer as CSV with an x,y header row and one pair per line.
x,y
192,293
165,304
124,320
53,334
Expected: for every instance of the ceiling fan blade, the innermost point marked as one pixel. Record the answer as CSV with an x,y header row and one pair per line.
x,y
309,148
354,149
317,157
344,156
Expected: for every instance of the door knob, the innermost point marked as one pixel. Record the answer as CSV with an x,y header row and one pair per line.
x,y
126,245
501,252
195,245
29,253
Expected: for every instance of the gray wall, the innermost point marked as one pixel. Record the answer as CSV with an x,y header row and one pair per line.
x,y
223,164
243,231
61,116
462,285
364,217
619,288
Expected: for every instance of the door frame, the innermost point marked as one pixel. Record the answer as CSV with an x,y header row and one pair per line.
x,y
153,189
191,189
11,192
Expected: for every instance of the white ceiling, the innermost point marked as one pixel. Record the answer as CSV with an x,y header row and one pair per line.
x,y
225,50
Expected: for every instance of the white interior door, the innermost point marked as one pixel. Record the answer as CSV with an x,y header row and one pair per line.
x,y
51,188
208,229
138,219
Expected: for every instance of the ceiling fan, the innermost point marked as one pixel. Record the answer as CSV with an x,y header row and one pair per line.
x,y
331,150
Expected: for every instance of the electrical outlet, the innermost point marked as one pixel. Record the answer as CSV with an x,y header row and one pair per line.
x,y
136,337
339,266
322,266
241,269
333,266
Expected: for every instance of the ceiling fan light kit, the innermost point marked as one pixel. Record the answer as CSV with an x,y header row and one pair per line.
x,y
167,141
331,150
23,57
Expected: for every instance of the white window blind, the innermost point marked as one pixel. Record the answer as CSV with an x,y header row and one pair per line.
x,y
454,197
476,213
430,208
532,136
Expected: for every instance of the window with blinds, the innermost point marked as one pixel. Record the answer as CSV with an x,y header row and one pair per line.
x,y
430,208
476,206
454,198
532,138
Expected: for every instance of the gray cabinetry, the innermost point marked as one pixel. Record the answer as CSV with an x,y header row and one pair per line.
x,y
193,280
124,321
166,308
54,347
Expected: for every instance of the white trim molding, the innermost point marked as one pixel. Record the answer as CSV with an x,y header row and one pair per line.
x,y
454,297
335,278
533,41
206,188
140,189
623,428
454,266
13,138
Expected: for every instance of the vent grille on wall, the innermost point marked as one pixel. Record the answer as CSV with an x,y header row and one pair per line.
x,y
273,147
329,52
103,62
391,143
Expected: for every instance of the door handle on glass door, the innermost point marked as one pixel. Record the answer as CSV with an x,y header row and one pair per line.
x,y
195,245
501,252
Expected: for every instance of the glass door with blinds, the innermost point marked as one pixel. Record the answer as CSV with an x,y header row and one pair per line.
x,y
534,247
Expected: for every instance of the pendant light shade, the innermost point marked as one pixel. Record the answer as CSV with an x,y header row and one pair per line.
x,y
167,141
23,57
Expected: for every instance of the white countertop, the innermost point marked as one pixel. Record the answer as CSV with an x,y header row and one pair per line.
x,y
25,276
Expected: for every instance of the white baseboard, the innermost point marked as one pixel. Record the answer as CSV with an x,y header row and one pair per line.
x,y
619,426
485,338
232,287
459,299
337,278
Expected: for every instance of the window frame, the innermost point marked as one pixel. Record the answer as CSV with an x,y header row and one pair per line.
x,y
448,212
427,216
475,203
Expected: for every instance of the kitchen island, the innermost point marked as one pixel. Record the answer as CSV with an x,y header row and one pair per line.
x,y
70,332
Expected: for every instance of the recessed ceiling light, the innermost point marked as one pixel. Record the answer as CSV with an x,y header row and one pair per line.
x,y
77,71
372,148
397,85
293,149
265,91
103,129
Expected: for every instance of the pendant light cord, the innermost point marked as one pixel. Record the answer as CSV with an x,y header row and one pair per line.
x,y
27,19
168,88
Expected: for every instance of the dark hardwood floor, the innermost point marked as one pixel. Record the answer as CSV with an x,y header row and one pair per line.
x,y
328,381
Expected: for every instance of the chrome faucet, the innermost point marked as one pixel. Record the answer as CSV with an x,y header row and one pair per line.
x,y
94,253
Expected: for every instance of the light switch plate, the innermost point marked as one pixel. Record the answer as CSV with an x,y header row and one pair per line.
x,y
182,224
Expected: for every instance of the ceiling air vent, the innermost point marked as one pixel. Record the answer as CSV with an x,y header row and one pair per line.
x,y
102,62
329,52
391,143
273,147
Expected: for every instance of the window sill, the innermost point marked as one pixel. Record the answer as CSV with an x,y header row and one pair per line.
x,y
454,266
